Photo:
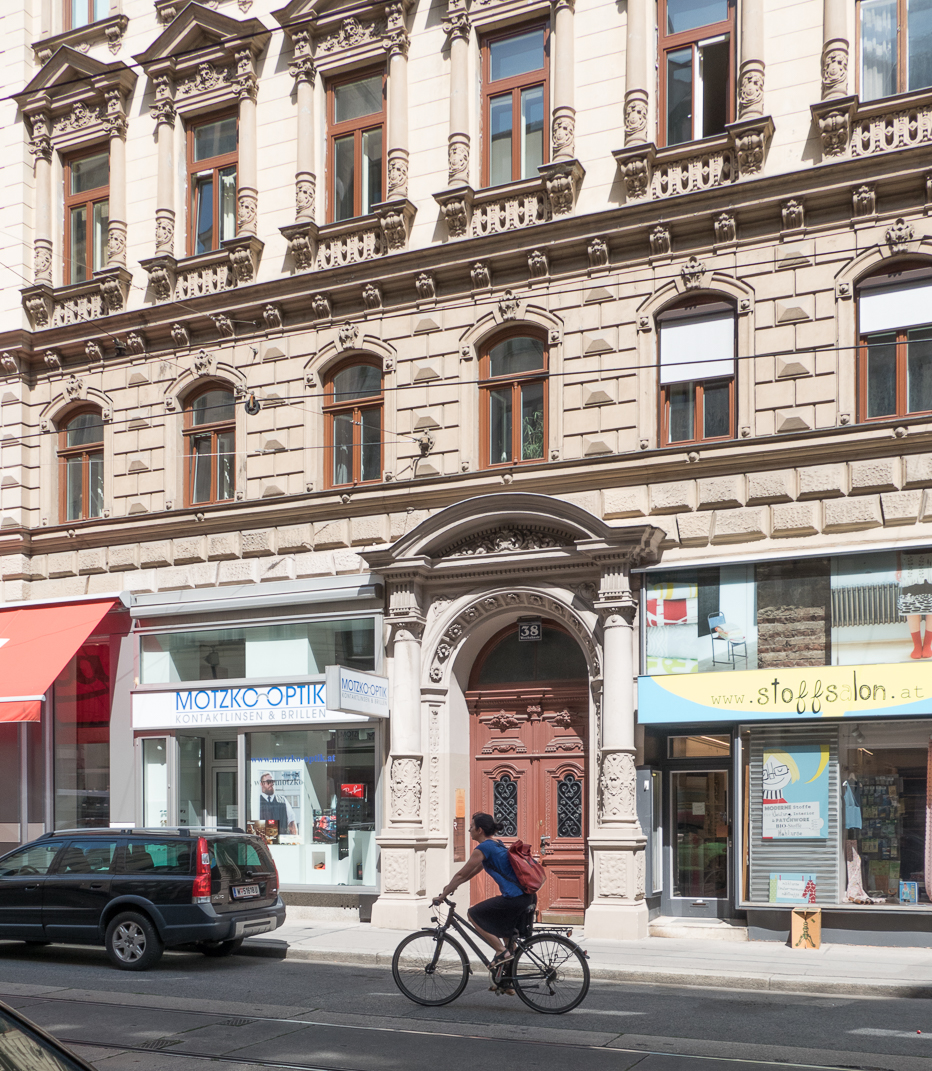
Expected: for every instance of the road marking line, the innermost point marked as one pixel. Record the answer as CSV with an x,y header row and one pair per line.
x,y
879,1032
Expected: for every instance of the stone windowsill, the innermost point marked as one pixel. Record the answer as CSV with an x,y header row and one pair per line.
x,y
110,29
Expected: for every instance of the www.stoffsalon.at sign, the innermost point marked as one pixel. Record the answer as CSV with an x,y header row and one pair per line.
x,y
345,696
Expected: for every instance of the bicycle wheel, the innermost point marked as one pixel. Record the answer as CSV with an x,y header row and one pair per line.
x,y
425,976
550,974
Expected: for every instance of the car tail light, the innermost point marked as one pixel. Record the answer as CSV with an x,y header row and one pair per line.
x,y
271,887
200,893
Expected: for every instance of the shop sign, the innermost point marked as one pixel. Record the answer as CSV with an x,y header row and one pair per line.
x,y
794,785
357,693
279,705
787,694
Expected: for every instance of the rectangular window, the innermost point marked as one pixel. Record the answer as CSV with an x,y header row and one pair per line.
x,y
697,65
312,796
697,368
292,650
896,47
355,119
83,12
515,95
87,215
212,159
896,348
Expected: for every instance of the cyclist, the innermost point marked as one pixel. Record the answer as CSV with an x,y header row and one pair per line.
x,y
501,916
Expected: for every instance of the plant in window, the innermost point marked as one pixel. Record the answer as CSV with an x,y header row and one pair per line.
x,y
81,466
210,446
515,76
353,404
514,400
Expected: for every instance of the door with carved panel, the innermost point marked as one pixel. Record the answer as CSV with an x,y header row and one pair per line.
x,y
529,746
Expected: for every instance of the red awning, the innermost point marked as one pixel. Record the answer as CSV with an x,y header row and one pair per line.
x,y
36,644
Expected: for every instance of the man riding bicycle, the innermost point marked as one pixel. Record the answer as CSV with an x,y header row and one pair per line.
x,y
500,916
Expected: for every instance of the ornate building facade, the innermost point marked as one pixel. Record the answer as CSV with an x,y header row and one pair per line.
x,y
482,348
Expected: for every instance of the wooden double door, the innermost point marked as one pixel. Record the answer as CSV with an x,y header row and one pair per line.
x,y
529,750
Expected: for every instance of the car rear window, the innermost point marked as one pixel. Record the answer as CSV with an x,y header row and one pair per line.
x,y
234,854
159,857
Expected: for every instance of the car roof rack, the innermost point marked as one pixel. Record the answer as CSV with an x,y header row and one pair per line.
x,y
164,831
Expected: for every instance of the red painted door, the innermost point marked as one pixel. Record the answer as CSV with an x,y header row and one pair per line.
x,y
529,771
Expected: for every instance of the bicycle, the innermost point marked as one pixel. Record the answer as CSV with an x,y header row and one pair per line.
x,y
549,972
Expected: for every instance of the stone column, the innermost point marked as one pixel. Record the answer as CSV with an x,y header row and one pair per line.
x,y
751,80
41,149
396,43
618,909
304,72
636,74
116,230
247,166
834,50
563,129
163,112
459,29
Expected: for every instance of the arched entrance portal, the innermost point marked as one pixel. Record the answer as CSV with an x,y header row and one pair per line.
x,y
529,713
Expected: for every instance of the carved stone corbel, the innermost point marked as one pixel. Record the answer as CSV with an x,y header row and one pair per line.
x,y
395,219
562,181
834,119
751,138
636,164
162,272
456,207
114,285
244,251
302,243
38,302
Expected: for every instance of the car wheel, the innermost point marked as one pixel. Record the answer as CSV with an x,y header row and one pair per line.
x,y
132,942
218,949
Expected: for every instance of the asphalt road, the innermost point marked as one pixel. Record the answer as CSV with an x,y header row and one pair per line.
x,y
255,1012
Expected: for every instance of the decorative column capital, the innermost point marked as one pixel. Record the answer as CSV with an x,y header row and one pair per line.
x,y
245,83
406,630
564,5
40,144
835,69
302,68
163,110
115,117
396,43
457,25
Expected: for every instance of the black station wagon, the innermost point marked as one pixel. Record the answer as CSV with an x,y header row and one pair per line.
x,y
140,891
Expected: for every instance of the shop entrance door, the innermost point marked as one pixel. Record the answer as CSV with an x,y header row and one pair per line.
x,y
699,852
222,777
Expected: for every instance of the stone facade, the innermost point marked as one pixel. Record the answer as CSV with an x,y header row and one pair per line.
x,y
781,224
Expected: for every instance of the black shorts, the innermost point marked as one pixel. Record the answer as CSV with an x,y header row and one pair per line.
x,y
502,915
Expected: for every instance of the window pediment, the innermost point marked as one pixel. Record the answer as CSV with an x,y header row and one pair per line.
x,y
340,33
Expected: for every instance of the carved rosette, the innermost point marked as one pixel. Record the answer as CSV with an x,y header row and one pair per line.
x,y
617,783
406,789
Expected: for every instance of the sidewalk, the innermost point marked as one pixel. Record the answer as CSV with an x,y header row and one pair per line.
x,y
853,970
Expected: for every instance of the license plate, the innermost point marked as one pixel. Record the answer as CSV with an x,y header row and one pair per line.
x,y
243,892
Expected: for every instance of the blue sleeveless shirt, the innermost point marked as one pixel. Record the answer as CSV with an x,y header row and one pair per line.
x,y
499,866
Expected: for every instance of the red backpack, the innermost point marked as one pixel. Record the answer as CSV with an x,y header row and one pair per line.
x,y
530,874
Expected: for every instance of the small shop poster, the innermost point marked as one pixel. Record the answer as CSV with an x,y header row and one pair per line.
x,y
792,888
795,792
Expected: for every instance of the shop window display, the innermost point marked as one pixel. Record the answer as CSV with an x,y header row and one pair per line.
x,y
296,649
312,796
859,609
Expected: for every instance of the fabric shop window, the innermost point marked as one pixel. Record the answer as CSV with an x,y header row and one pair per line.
x,y
356,114
210,446
896,47
87,215
212,156
513,385
83,12
81,466
515,102
697,373
353,404
696,68
895,324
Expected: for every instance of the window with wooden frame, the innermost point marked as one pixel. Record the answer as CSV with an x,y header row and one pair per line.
x,y
515,102
697,373
212,158
87,214
355,122
696,41
353,409
895,352
81,466
210,445
513,393
895,41
78,13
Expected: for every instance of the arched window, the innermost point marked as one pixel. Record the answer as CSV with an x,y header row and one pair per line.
x,y
895,329
353,404
210,446
81,465
508,660
513,421
697,372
